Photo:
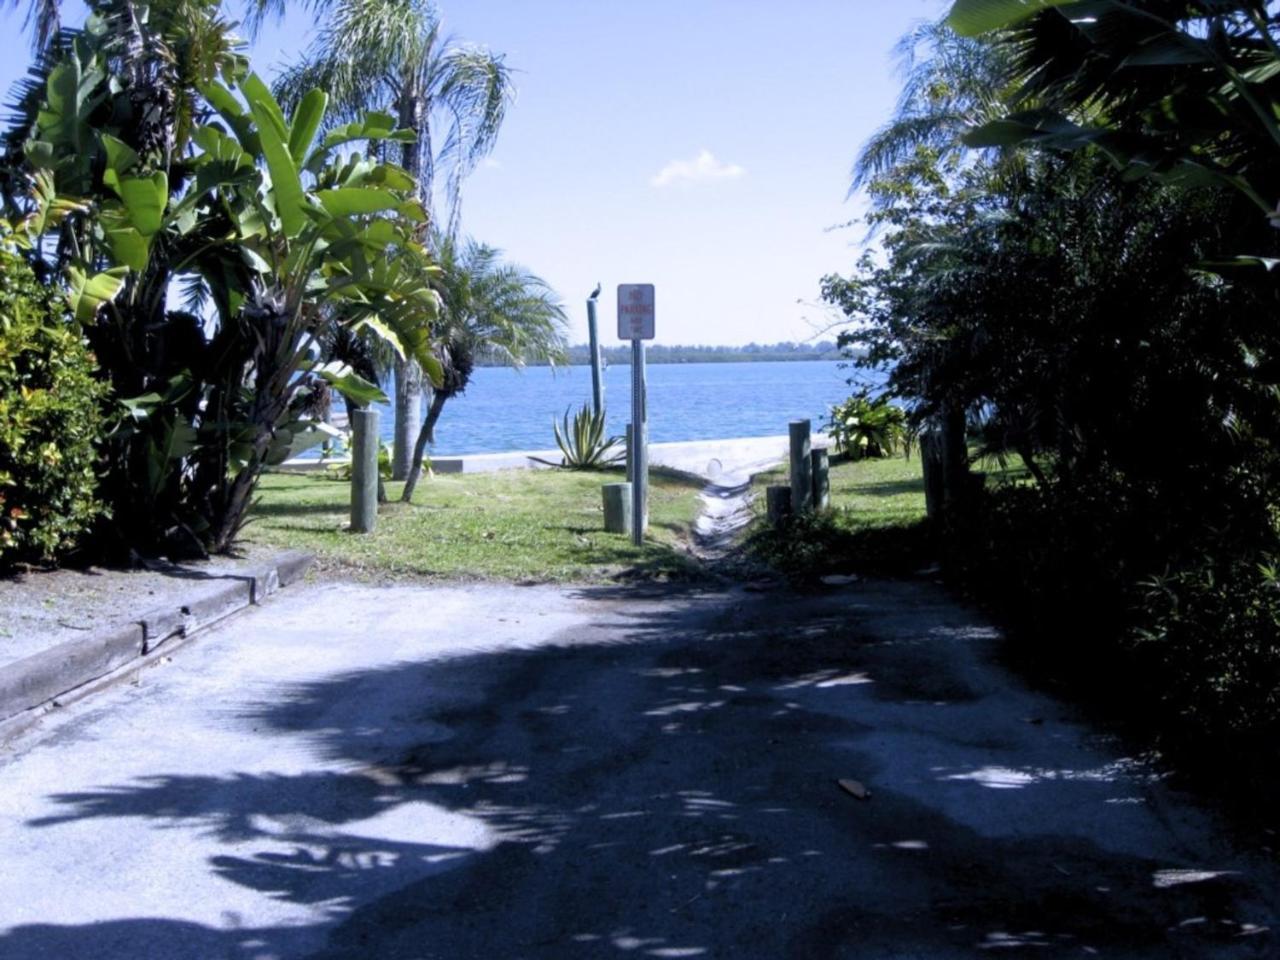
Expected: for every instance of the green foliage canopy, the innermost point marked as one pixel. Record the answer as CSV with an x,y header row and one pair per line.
x,y
267,226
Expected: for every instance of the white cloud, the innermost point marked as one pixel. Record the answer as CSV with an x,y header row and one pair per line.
x,y
702,167
490,163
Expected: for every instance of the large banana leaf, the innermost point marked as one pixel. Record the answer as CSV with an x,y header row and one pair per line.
x,y
970,18
286,184
233,113
306,121
373,126
70,98
350,384
87,293
353,201
144,198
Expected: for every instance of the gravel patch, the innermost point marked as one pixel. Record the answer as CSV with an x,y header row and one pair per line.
x,y
41,609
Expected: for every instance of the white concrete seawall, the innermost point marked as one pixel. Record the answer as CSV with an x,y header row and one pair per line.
x,y
703,458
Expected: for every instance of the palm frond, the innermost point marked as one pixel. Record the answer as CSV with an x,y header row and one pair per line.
x,y
44,20
195,294
26,94
477,88
950,83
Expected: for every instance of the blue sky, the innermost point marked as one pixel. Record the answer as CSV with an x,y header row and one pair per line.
x,y
700,145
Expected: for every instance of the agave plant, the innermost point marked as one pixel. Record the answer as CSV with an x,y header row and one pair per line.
x,y
583,443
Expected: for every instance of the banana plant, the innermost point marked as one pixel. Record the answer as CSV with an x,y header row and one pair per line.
x,y
320,236
272,230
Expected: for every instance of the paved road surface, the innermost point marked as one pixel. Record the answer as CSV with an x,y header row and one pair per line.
x,y
498,772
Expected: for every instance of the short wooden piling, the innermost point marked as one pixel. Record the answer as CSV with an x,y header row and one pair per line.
x,y
617,507
364,470
801,473
820,468
778,502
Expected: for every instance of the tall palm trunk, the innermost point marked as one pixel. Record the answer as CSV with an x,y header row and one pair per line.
x,y
408,377
408,414
425,435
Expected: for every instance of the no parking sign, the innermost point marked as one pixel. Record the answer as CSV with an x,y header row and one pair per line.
x,y
635,311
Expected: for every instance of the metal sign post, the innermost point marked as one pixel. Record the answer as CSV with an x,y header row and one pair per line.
x,y
597,381
636,323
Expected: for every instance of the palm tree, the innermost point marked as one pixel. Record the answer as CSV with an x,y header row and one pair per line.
x,y
390,54
491,310
950,84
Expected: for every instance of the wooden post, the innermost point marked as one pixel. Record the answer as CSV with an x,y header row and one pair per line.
x,y
820,467
364,470
801,474
617,507
778,500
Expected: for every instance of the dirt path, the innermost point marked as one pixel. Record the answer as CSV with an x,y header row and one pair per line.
x,y
725,506
495,772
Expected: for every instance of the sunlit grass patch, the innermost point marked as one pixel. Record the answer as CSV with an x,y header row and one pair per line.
x,y
520,525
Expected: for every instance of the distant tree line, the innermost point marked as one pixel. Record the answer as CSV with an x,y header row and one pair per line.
x,y
701,353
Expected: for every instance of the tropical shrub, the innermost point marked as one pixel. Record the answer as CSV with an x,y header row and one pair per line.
x,y
394,56
1181,91
863,428
343,472
273,228
50,421
1102,325
1210,635
584,444
804,547
489,309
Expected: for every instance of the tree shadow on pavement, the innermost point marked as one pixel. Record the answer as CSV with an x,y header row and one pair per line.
x,y
662,784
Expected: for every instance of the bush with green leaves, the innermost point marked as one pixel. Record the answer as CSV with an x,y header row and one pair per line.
x,y
862,428
1211,639
137,171
804,547
343,471
1164,606
50,420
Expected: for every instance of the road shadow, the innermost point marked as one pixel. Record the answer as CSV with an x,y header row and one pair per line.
x,y
661,783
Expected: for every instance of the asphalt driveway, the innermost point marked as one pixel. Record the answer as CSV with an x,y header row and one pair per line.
x,y
504,772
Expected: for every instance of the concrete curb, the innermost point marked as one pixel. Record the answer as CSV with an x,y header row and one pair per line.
x,y
29,684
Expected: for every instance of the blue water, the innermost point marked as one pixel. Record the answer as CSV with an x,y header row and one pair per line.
x,y
505,409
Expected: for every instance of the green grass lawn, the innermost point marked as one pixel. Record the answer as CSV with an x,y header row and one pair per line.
x,y
521,525
876,523
866,493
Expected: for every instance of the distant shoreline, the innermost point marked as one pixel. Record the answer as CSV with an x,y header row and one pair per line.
x,y
621,357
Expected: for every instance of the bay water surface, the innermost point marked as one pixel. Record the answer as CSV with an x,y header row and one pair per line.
x,y
505,409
